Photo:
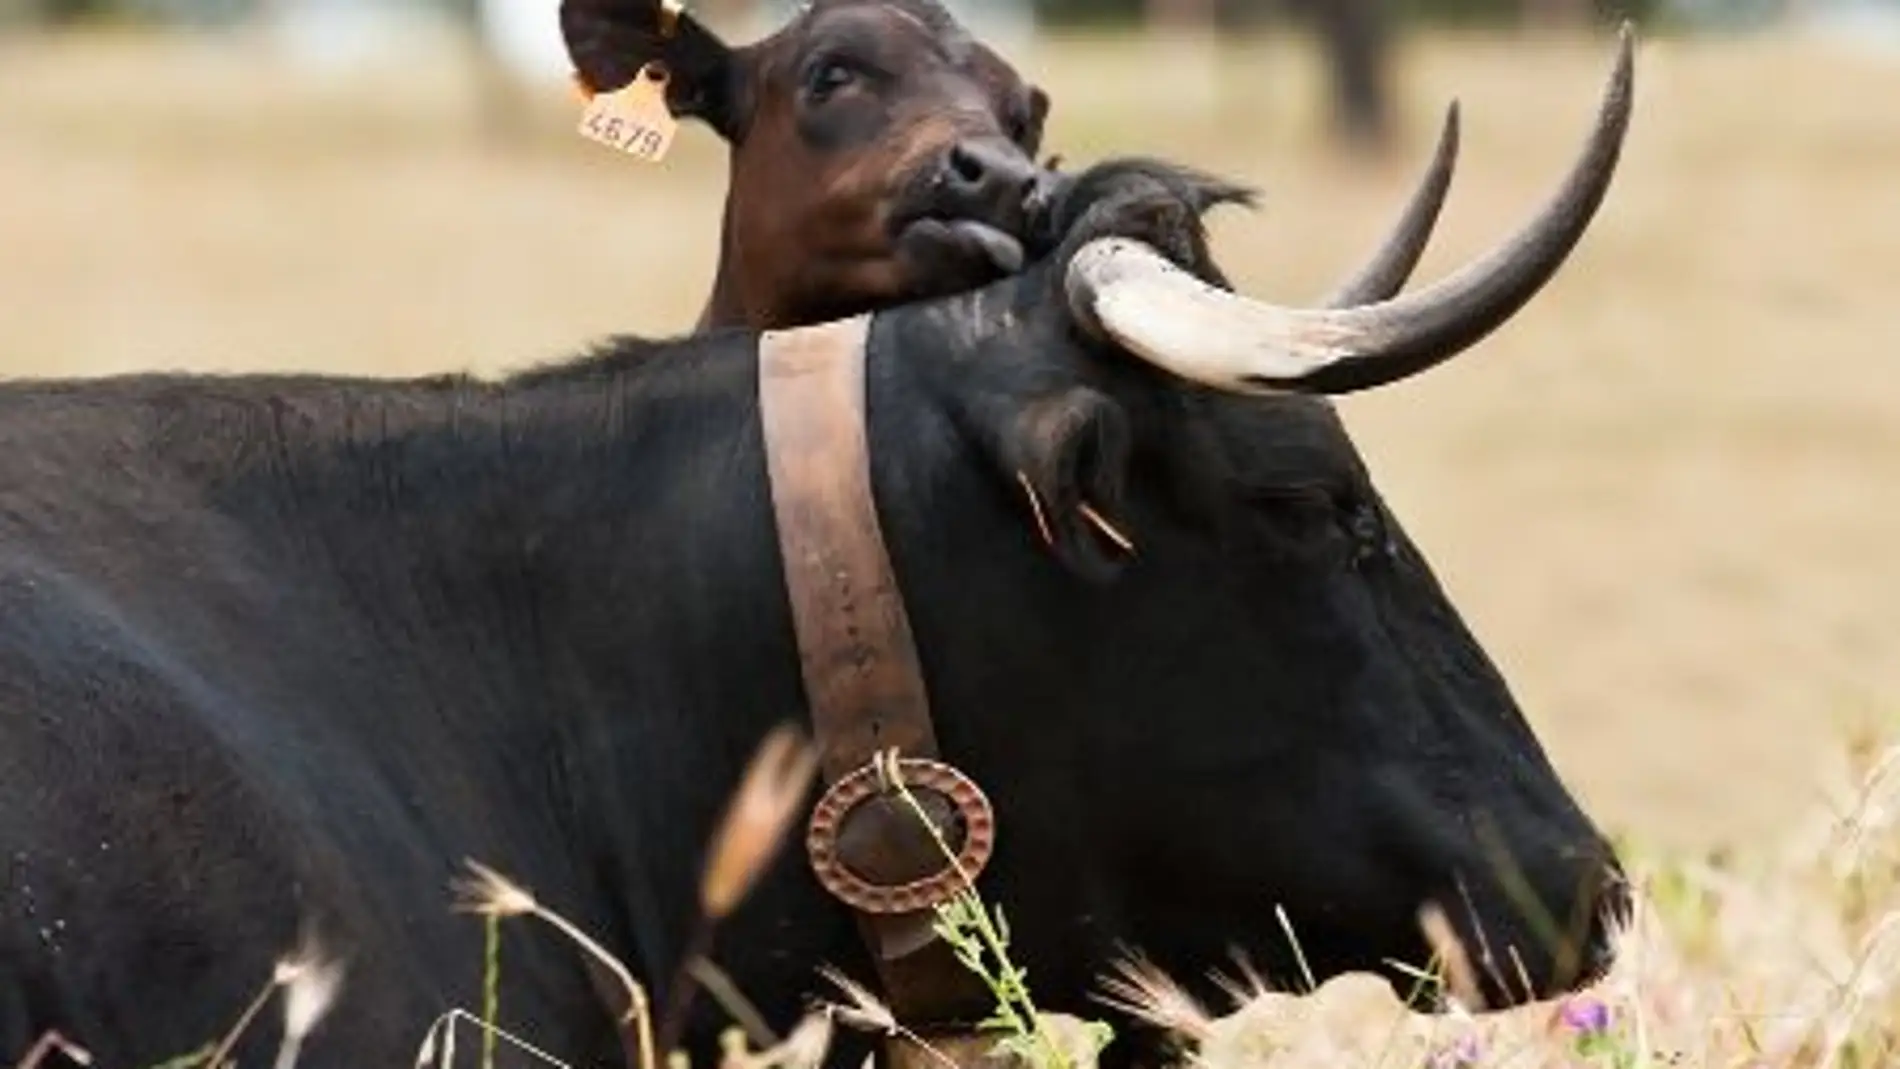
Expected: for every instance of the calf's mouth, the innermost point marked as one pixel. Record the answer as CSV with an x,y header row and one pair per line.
x,y
963,218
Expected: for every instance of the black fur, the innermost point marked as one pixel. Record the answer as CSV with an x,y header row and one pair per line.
x,y
278,652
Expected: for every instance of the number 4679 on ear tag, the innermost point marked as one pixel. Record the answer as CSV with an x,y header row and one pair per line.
x,y
633,119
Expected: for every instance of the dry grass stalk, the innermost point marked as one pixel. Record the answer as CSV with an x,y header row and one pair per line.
x,y
769,798
216,1056
1035,507
310,984
490,894
754,826
1137,987
733,1001
1245,988
1448,953
865,1012
52,1042
804,1048
441,1036
1108,529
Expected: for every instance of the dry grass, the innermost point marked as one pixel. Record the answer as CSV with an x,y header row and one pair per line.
x,y
1789,959
1664,497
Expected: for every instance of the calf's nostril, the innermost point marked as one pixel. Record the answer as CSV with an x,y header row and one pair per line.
x,y
966,166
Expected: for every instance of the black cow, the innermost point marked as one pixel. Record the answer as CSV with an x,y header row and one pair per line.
x,y
280,651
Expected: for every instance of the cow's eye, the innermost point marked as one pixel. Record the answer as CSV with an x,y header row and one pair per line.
x,y
829,77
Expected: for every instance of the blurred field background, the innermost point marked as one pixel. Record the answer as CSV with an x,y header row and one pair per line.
x,y
1665,496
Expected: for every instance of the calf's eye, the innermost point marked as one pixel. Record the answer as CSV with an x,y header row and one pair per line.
x,y
828,78
1016,125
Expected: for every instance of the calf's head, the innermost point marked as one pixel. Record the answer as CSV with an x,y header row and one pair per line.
x,y
879,153
1269,701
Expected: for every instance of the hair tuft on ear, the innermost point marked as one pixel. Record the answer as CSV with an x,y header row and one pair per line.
x,y
1069,455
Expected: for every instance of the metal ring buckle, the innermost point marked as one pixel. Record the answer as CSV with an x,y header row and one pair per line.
x,y
821,839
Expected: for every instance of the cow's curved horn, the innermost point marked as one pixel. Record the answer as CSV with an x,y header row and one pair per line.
x,y
1161,313
1385,274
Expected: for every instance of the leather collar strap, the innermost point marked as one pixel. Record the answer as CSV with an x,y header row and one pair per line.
x,y
863,681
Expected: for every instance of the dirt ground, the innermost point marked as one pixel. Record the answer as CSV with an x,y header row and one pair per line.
x,y
1665,496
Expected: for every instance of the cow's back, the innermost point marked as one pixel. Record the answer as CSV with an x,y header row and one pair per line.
x,y
214,738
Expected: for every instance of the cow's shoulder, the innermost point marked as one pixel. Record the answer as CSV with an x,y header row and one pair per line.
x,y
125,800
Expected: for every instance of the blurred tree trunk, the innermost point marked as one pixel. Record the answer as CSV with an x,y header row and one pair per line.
x,y
1356,34
1554,14
49,12
1196,16
500,100
1184,34
1355,39
738,18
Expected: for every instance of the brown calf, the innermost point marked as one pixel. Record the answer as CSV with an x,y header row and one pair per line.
x,y
879,153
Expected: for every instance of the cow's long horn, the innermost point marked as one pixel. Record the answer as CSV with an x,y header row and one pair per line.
x,y
1385,274
1170,318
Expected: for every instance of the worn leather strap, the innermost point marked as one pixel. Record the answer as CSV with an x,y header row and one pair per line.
x,y
861,672
862,677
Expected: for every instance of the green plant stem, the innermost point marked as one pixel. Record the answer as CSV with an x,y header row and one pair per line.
x,y
992,939
491,988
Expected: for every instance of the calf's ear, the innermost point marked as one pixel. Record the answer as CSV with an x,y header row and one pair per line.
x,y
1036,120
608,42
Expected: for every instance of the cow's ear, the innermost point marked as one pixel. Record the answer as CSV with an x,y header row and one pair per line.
x,y
608,42
1066,454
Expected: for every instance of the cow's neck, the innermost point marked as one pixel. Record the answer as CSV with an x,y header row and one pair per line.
x,y
578,566
760,303
725,305
708,648
602,538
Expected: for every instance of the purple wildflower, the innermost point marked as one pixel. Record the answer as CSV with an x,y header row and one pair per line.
x,y
1586,1016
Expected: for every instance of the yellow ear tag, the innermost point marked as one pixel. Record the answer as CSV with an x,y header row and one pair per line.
x,y
633,119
